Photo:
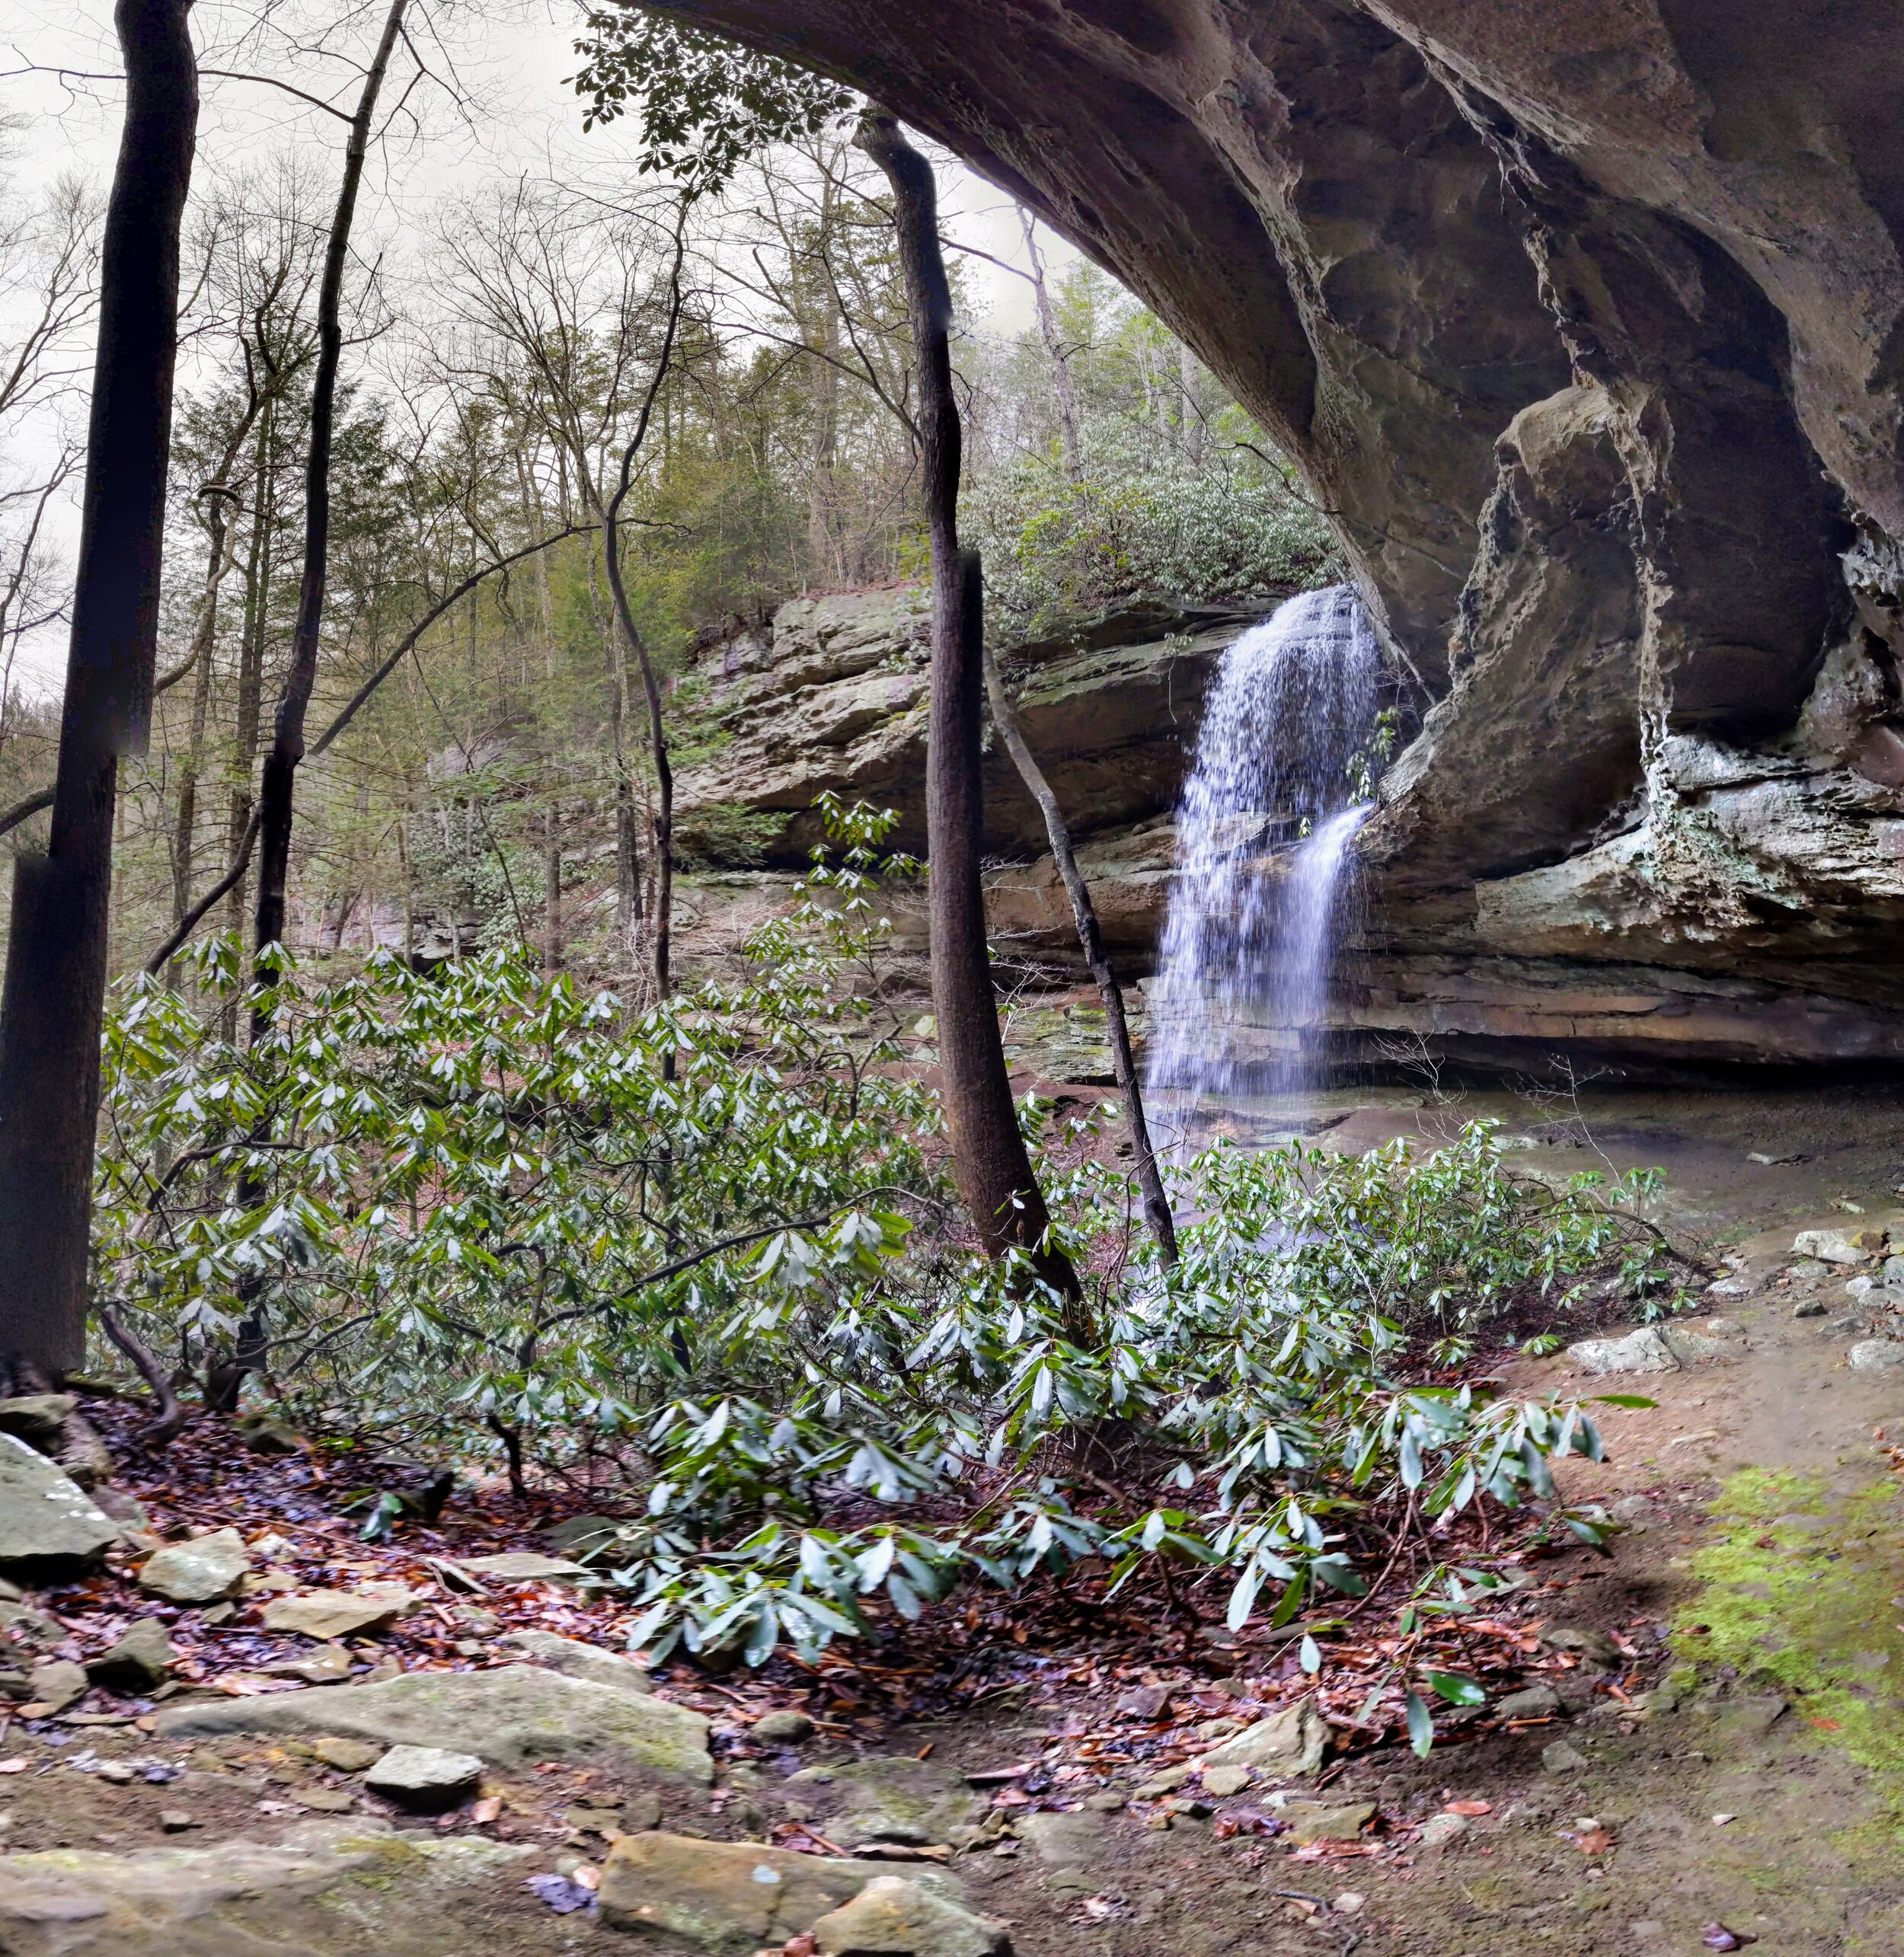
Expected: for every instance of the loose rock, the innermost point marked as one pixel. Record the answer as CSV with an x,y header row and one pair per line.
x,y
1831,1247
1288,1743
1558,1757
425,1776
348,1756
49,1528
727,1898
1535,1702
512,1717
898,1799
893,1918
1438,1830
139,1662
329,1664
1221,1782
57,1685
38,1418
785,1728
576,1660
1875,1355
329,1615
200,1572
1061,1839
524,1566
1322,1821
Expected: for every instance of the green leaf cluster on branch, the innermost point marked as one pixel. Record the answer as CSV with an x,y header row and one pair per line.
x,y
706,106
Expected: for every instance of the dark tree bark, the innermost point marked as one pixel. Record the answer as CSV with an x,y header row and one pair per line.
x,y
277,788
663,825
54,997
994,1171
1150,1180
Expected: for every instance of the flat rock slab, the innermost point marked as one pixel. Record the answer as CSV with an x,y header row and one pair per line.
x,y
48,1526
893,1918
729,1899
577,1660
206,1570
330,1886
1324,1820
1062,1839
1288,1743
329,1615
1875,1355
526,1566
1658,1349
425,1776
897,1799
510,1718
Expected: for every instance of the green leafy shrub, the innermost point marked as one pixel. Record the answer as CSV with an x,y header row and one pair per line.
x,y
712,1245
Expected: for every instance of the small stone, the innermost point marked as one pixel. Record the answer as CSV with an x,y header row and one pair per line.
x,y
577,1660
1875,1355
524,1566
264,1434
883,1799
1743,1718
38,1418
1859,1289
1831,1247
329,1664
1594,1647
1322,1821
425,1776
1534,1702
176,1820
1107,1803
1808,1308
1894,1271
1438,1830
892,1917
348,1756
1146,1702
57,1685
1165,1781
1558,1757
1351,1902
1288,1743
48,1528
203,1571
139,1660
1064,1839
1221,1782
786,1728
329,1615
327,1800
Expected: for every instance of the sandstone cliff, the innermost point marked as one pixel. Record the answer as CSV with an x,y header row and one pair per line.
x,y
1585,320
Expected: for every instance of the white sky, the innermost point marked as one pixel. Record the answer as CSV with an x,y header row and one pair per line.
x,y
511,58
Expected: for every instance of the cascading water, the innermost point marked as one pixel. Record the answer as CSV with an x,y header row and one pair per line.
x,y
1263,835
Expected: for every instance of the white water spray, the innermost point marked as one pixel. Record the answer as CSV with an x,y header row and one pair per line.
x,y
1263,830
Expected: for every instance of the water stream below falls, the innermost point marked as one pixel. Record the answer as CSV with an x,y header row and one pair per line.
x,y
1264,881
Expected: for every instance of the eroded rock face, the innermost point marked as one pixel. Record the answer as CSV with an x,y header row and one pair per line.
x,y
834,699
1586,318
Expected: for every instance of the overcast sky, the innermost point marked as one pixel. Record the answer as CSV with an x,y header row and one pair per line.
x,y
510,58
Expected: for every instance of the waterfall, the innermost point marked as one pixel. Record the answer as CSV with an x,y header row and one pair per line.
x,y
1263,829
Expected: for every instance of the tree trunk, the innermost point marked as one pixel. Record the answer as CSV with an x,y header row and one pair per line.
x,y
258,569
1150,1181
994,1171
54,997
204,634
1062,384
551,889
276,788
662,822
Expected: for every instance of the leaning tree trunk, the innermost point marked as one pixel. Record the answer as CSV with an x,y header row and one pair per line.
x,y
994,1171
1150,1180
54,997
277,787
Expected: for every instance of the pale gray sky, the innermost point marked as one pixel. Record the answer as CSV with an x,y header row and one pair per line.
x,y
511,59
